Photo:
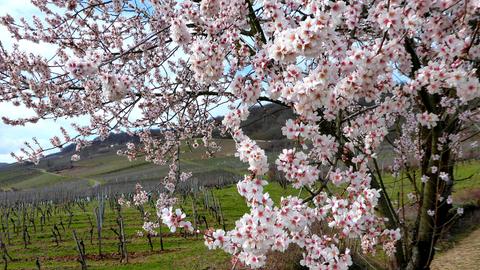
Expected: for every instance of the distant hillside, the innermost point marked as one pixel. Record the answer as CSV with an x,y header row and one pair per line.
x,y
99,145
99,164
3,164
265,122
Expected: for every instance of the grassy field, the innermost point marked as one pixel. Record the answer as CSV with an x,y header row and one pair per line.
x,y
105,166
180,252
466,175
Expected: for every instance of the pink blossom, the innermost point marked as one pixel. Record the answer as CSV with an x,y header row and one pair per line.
x,y
140,197
175,220
75,157
354,76
427,119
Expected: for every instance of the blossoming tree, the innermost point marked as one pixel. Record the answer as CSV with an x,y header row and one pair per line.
x,y
359,75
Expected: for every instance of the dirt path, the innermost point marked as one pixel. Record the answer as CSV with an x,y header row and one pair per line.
x,y
465,255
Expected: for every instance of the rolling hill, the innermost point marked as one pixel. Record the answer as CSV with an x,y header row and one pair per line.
x,y
100,165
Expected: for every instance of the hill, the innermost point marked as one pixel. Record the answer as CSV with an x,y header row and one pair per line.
x,y
265,122
100,165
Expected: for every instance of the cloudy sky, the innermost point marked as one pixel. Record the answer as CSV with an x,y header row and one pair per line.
x,y
13,137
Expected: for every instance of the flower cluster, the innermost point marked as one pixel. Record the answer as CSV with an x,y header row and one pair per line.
x,y
82,68
323,253
437,77
206,60
324,146
296,167
293,129
427,119
392,236
164,201
215,239
249,151
140,197
247,90
123,202
150,227
115,87
234,118
467,87
179,32
175,220
251,189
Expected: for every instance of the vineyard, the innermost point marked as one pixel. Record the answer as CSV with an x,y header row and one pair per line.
x,y
50,229
59,215
240,134
98,233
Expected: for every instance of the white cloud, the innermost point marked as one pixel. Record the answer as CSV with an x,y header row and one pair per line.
x,y
18,9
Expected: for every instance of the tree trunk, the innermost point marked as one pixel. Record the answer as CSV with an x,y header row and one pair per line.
x,y
429,227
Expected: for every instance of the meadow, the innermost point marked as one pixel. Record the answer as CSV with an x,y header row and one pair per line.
x,y
42,208
181,250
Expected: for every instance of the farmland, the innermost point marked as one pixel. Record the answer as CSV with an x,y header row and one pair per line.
x,y
43,207
39,231
52,253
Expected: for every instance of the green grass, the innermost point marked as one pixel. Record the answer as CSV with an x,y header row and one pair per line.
x,y
9,176
180,252
466,175
42,180
95,167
